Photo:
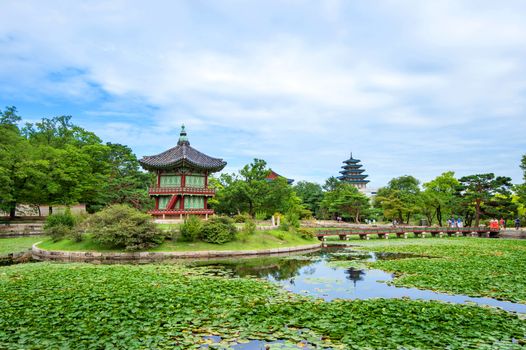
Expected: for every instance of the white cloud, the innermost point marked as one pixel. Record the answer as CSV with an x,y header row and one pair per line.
x,y
300,83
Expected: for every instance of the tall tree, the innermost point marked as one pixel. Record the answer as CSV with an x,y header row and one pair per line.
x,y
439,196
480,190
20,168
311,195
250,191
347,201
399,199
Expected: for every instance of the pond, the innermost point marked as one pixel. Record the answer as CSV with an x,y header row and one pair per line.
x,y
340,273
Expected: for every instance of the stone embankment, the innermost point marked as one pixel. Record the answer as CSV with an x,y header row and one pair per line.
x,y
147,257
19,230
15,258
512,233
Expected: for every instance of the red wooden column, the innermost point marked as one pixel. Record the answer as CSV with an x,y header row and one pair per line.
x,y
181,204
157,203
206,203
183,180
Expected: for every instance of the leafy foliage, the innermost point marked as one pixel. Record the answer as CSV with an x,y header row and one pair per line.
x,y
173,307
476,267
218,230
60,225
250,191
56,162
306,233
191,228
311,195
480,192
347,201
120,226
399,199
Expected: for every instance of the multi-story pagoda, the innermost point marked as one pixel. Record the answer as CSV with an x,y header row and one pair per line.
x,y
353,174
182,180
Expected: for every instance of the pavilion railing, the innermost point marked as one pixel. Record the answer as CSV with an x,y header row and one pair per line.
x,y
181,211
181,190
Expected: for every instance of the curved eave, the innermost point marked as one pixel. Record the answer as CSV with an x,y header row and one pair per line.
x,y
350,171
181,163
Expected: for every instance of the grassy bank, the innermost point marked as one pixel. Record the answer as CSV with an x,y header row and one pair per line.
x,y
259,240
474,266
17,244
85,306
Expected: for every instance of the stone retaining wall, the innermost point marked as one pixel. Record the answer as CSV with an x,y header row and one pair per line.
x,y
17,230
146,257
15,258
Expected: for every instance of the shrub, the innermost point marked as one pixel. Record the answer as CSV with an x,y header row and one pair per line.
x,y
240,218
261,215
58,232
306,233
191,228
120,226
218,230
291,221
249,227
60,225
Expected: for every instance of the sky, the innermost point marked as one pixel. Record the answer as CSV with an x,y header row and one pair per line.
x,y
409,87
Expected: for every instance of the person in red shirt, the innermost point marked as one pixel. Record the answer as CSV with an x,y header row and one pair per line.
x,y
502,223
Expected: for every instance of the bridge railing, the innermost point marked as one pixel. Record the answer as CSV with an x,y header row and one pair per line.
x,y
404,229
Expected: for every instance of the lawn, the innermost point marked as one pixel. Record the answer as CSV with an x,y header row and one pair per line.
x,y
17,244
260,240
83,306
474,266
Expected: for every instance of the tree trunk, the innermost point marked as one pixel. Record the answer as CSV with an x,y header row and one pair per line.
x,y
408,217
357,217
12,212
477,212
50,210
439,215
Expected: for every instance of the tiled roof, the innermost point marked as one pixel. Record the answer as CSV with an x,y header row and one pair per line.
x,y
182,155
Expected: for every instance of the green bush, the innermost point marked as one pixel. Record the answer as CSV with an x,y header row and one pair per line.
x,y
218,230
261,215
240,218
306,233
290,221
120,226
58,226
191,228
249,227
58,232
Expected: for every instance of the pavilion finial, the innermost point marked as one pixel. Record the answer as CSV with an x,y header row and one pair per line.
x,y
351,155
182,136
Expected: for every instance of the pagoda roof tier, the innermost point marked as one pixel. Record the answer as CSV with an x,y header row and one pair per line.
x,y
352,166
350,171
350,177
182,155
353,180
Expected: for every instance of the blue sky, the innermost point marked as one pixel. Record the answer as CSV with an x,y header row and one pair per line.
x,y
410,87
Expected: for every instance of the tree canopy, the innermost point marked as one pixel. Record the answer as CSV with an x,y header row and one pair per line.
x,y
55,162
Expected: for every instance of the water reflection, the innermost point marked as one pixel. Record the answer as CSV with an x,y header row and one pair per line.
x,y
324,275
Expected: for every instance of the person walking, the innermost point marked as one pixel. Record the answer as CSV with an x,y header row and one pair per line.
x,y
502,223
460,224
517,223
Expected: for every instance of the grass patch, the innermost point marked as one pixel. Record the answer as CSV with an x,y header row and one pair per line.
x,y
473,266
259,240
83,306
17,244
